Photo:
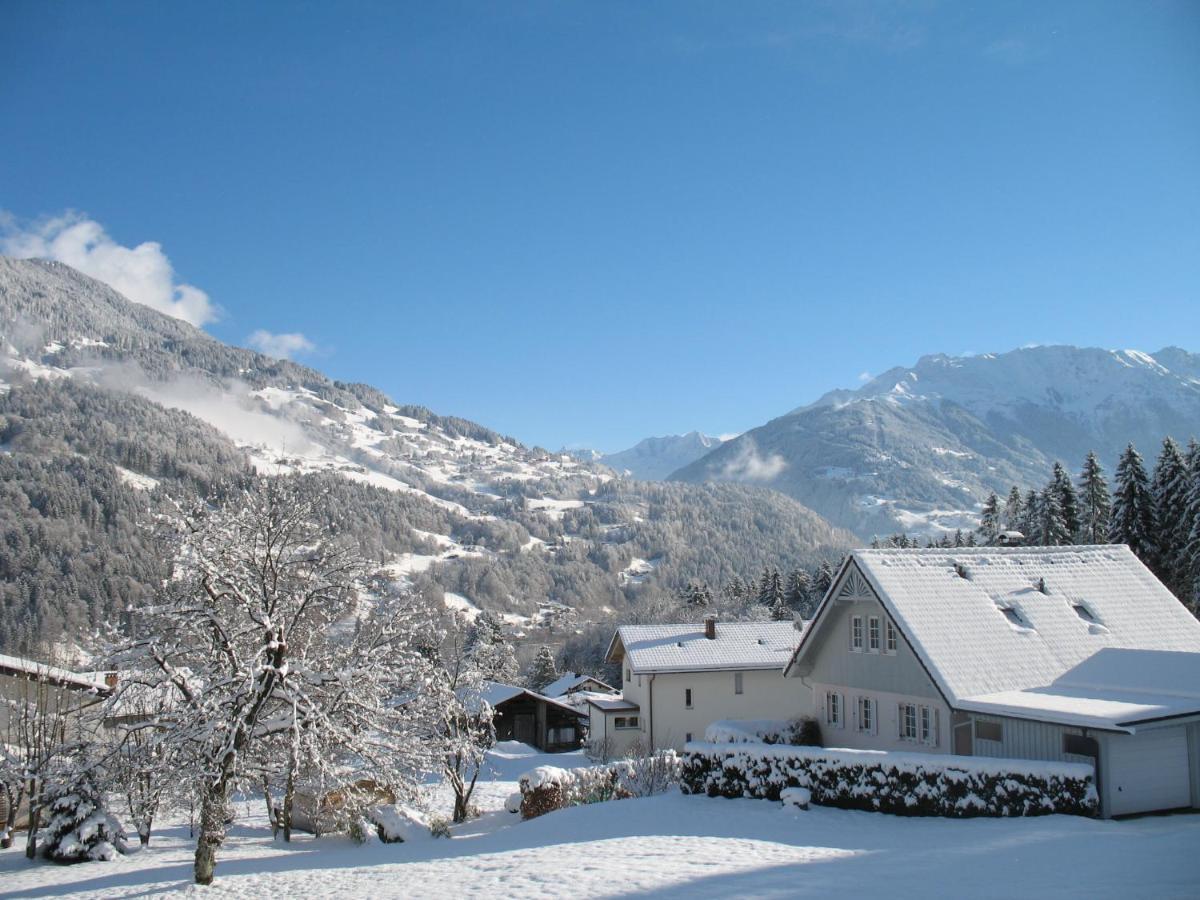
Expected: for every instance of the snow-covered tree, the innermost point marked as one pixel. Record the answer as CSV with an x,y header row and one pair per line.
x,y
1191,553
79,826
696,596
1068,502
1170,488
1053,530
989,519
770,589
1014,510
823,580
543,670
1132,521
1031,518
1095,505
798,591
491,653
780,611
258,636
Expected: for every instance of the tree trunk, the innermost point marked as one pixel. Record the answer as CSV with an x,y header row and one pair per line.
x,y
271,817
35,820
212,831
289,798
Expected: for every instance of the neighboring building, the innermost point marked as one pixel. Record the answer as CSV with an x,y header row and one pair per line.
x,y
573,682
679,679
531,718
1059,653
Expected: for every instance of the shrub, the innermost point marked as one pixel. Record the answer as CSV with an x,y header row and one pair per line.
x,y
547,788
801,732
80,827
908,784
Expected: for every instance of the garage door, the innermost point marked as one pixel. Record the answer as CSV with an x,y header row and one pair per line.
x,y
1148,771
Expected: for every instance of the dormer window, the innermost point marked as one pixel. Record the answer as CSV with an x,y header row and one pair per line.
x,y
1084,613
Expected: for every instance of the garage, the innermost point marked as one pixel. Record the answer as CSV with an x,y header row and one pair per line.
x,y
1148,771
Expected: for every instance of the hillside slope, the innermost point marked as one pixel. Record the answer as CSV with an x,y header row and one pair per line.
x,y
108,410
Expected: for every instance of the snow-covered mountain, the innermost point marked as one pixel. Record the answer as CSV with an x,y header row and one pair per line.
x,y
120,401
919,447
654,458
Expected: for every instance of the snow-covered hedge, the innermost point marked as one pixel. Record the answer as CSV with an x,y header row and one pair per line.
x,y
548,788
909,784
798,732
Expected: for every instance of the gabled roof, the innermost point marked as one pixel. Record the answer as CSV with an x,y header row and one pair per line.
x,y
569,682
607,703
495,693
684,648
1072,645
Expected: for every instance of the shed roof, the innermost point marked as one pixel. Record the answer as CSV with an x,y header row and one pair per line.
x,y
569,682
684,648
496,693
92,681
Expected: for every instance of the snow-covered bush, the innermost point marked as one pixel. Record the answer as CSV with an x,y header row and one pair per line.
x,y
909,784
80,827
548,788
399,824
803,732
796,797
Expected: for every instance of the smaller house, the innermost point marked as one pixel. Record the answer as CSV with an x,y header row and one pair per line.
x,y
520,714
573,682
679,679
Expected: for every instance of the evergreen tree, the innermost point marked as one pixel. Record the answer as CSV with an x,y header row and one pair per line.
x,y
1095,506
770,592
80,827
543,670
780,611
1053,530
799,587
1132,520
1170,488
1067,501
1191,553
822,581
489,650
1031,519
696,595
989,519
1014,510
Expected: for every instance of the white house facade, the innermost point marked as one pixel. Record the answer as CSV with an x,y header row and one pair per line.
x,y
679,679
1067,653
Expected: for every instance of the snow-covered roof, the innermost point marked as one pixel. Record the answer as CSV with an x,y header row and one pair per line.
x,y
610,703
495,693
684,648
570,682
89,680
1082,634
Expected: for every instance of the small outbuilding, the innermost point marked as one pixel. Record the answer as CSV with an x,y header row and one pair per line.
x,y
520,714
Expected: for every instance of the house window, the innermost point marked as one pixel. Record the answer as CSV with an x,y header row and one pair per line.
x,y
562,735
737,682
908,721
628,676
625,722
873,634
687,698
928,731
889,645
989,731
866,715
856,633
833,709
688,738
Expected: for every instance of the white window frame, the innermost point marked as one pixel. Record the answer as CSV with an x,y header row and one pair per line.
x,y
868,720
890,638
856,634
835,713
739,685
927,725
909,715
874,635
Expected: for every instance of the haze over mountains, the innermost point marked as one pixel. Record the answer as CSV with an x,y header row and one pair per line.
x,y
918,448
111,413
655,458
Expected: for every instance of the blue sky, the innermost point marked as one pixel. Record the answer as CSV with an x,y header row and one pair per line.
x,y
583,223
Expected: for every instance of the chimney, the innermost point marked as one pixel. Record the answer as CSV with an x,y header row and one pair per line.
x,y
110,679
710,627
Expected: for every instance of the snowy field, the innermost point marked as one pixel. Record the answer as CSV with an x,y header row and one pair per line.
x,y
665,846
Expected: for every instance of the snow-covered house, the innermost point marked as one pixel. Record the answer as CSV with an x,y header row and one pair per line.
x,y
1062,653
520,714
679,679
573,683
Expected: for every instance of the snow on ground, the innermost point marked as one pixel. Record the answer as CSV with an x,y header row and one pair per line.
x,y
639,570
461,604
137,480
665,846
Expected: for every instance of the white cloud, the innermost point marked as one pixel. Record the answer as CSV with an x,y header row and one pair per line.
x,y
285,346
750,466
864,377
143,273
